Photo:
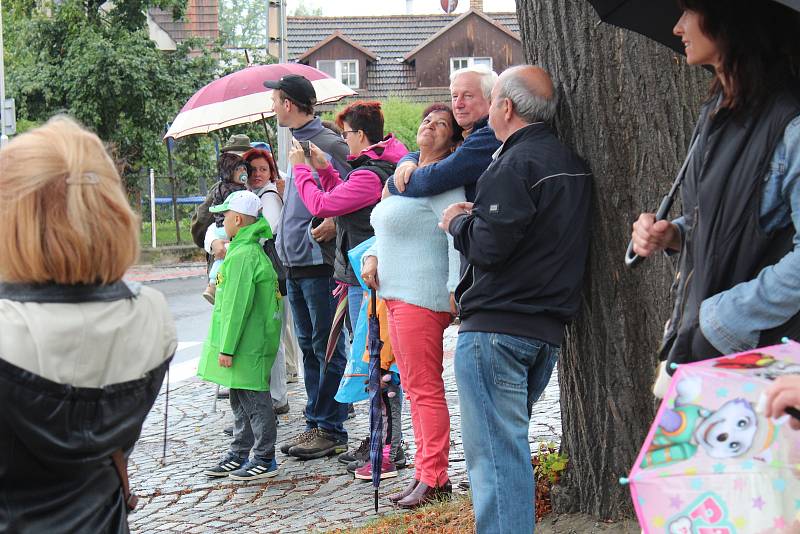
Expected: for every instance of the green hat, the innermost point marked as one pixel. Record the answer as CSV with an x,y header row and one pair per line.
x,y
238,144
243,202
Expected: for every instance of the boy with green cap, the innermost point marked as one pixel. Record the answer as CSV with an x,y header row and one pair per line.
x,y
243,339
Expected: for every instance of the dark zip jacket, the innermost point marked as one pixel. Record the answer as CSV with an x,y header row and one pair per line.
x,y
724,243
526,239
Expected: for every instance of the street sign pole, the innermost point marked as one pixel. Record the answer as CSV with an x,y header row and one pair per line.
x,y
3,136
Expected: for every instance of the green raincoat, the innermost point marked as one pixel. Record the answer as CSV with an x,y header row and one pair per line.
x,y
246,321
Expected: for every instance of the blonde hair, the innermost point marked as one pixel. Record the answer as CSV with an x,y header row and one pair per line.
x,y
64,216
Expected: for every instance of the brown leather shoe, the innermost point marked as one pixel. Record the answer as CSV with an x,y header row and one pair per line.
x,y
424,494
394,497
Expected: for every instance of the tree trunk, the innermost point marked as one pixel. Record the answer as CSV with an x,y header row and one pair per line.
x,y
628,106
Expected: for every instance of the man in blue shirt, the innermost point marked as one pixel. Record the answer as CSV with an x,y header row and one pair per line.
x,y
470,91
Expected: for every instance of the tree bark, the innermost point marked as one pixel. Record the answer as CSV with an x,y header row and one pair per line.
x,y
628,106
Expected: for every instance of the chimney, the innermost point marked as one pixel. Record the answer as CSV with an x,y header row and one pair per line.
x,y
477,5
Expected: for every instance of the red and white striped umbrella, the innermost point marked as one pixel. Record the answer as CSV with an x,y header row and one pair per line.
x,y
241,97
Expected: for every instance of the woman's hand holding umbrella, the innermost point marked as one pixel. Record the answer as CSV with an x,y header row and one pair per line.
x,y
650,236
369,272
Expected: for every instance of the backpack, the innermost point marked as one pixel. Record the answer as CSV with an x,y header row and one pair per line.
x,y
272,253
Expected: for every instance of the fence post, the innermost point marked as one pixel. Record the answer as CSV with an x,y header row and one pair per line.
x,y
153,206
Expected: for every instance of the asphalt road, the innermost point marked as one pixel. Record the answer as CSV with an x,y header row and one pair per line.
x,y
192,315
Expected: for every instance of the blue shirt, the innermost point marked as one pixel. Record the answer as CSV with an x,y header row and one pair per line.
x,y
733,320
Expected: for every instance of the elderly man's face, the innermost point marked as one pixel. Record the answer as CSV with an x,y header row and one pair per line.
x,y
497,112
469,103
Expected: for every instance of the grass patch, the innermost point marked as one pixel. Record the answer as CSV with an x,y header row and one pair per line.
x,y
165,233
449,517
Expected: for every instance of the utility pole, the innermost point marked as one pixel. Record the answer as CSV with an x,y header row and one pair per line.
x,y
284,135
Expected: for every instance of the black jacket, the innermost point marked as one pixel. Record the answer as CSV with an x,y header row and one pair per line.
x,y
56,440
526,240
724,244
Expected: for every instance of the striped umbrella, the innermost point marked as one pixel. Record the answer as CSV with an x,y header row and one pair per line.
x,y
241,97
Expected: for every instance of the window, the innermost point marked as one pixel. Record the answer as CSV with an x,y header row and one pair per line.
x,y
344,70
464,62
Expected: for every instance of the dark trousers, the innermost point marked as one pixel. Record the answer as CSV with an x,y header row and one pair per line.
x,y
253,424
313,307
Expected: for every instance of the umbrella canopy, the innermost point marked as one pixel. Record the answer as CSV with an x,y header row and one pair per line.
x,y
376,405
711,462
652,18
241,97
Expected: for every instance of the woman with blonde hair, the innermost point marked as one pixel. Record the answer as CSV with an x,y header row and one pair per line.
x,y
82,354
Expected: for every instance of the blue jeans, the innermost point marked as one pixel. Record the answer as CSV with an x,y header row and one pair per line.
x,y
355,296
313,307
499,378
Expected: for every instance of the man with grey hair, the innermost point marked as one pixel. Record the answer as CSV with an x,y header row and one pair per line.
x,y
526,238
470,91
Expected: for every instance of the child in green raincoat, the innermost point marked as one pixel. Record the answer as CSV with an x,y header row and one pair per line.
x,y
243,339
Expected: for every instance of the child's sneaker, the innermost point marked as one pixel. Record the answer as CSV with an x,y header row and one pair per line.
x,y
229,464
255,470
210,293
388,470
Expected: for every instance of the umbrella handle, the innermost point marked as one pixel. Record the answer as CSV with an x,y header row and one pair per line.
x,y
632,259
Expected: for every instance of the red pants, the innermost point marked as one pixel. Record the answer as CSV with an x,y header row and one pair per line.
x,y
416,334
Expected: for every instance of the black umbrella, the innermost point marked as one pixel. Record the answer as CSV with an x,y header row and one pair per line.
x,y
376,404
654,19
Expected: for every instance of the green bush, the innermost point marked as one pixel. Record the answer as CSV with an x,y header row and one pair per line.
x,y
400,117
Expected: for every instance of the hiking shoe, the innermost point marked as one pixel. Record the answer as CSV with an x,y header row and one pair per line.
x,y
302,438
228,465
388,470
282,409
255,470
359,453
320,445
210,293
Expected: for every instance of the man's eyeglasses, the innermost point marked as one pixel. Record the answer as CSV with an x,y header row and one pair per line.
x,y
345,132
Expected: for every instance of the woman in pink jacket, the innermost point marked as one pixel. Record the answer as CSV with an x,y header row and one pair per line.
x,y
350,200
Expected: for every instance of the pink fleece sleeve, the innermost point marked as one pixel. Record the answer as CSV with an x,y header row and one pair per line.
x,y
363,188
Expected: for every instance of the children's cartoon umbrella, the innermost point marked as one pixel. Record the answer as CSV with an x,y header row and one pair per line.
x,y
376,405
711,463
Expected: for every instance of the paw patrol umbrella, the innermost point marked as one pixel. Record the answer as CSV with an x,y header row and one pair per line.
x,y
711,463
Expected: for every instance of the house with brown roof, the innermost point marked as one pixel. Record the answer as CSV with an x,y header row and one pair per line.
x,y
409,56
200,20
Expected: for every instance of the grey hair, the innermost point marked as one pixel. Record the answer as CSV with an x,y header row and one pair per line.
x,y
527,104
488,78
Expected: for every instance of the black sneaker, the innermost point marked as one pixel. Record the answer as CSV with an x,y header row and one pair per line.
x,y
400,458
302,438
228,465
255,470
359,453
355,465
320,445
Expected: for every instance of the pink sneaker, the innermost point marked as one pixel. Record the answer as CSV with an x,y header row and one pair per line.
x,y
388,470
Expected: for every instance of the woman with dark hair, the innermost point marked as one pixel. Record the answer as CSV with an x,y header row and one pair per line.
x,y
351,199
415,268
739,280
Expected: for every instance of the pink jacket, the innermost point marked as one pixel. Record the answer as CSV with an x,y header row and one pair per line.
x,y
339,197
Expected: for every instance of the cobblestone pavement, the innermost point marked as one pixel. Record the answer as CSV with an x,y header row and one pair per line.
x,y
305,496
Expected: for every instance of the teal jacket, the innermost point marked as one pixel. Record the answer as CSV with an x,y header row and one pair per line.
x,y
246,322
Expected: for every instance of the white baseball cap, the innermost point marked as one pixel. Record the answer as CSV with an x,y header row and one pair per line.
x,y
243,202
